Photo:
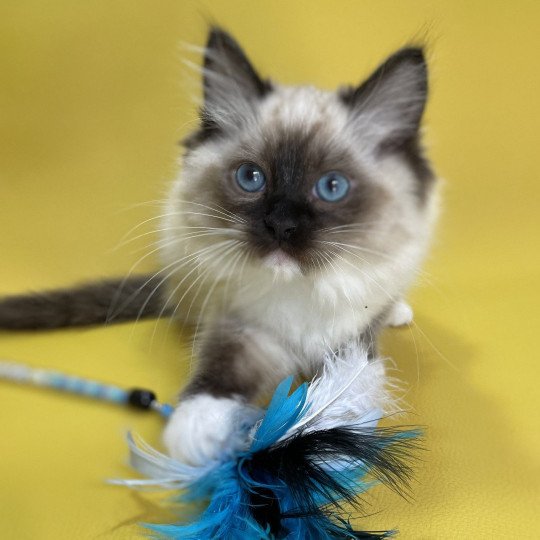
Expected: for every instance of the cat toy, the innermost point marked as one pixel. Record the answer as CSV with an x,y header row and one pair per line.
x,y
137,398
304,463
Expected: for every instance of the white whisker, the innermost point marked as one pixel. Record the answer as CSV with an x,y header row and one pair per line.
x,y
231,265
187,258
230,245
230,220
203,276
216,208
204,231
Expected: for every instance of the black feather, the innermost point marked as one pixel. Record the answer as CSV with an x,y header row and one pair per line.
x,y
323,470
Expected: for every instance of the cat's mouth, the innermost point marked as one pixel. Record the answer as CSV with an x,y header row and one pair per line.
x,y
282,264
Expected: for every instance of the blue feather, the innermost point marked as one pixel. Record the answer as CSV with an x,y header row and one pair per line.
x,y
282,413
293,487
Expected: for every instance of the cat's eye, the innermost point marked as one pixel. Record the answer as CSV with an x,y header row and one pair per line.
x,y
332,187
250,177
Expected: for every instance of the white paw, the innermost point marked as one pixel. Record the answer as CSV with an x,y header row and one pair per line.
x,y
204,428
400,314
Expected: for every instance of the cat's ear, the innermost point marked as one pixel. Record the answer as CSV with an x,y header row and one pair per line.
x,y
229,77
388,106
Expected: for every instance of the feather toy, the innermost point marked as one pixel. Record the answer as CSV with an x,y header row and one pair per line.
x,y
308,458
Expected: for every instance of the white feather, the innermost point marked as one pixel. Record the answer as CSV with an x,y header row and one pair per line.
x,y
351,390
161,470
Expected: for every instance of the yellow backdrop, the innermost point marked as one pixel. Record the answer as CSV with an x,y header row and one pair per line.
x,y
93,99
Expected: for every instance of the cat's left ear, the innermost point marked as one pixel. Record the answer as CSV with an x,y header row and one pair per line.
x,y
230,80
387,108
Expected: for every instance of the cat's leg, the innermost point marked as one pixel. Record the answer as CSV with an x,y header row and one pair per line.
x,y
400,314
236,363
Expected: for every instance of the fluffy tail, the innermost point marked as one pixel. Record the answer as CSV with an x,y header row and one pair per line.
x,y
113,300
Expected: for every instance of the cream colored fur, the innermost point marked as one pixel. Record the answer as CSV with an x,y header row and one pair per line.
x,y
304,314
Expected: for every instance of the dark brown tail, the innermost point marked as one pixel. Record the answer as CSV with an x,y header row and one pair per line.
x,y
108,301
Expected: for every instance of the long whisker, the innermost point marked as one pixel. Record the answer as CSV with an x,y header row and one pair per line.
x,y
342,245
194,269
417,357
166,242
221,252
216,208
171,229
366,274
320,261
329,262
232,264
204,231
152,202
112,311
249,253
175,264
230,245
230,220
381,254
392,299
346,294
369,328
133,229
359,225
446,359
216,280
161,244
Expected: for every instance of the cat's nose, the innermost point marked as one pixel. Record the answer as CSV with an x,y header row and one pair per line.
x,y
279,227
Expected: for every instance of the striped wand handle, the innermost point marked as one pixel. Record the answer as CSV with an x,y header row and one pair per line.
x,y
135,397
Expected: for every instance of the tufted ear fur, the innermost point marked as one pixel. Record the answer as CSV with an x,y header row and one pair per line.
x,y
388,106
225,63
231,85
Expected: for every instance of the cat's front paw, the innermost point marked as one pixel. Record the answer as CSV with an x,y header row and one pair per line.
x,y
400,314
204,428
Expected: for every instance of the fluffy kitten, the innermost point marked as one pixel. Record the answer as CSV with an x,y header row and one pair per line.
x,y
296,226
304,215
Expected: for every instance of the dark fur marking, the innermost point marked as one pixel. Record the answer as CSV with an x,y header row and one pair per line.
x,y
226,365
409,67
85,305
222,45
208,129
225,57
413,56
412,152
293,160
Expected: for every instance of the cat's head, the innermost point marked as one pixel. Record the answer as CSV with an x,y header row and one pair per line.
x,y
296,179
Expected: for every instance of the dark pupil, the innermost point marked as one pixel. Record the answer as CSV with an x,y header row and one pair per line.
x,y
333,185
251,175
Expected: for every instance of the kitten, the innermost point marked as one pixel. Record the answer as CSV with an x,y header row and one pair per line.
x,y
297,225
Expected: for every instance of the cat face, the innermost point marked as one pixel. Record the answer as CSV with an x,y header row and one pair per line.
x,y
303,179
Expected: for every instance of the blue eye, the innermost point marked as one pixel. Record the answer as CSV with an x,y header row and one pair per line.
x,y
250,177
332,187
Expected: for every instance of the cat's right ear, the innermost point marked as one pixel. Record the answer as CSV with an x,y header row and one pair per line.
x,y
387,108
228,69
232,87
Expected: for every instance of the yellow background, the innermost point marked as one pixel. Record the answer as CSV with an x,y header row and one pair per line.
x,y
93,99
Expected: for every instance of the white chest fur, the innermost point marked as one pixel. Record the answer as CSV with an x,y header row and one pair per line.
x,y
315,315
